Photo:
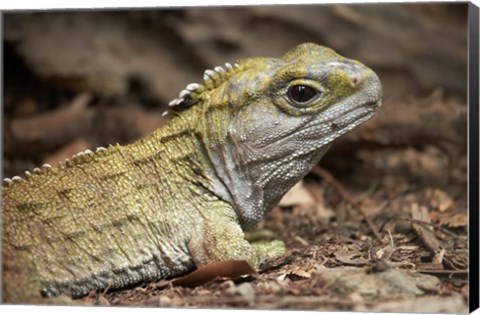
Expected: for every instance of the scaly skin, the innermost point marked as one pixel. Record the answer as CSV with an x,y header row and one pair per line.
x,y
182,196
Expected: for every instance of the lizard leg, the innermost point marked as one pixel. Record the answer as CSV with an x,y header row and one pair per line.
x,y
269,249
220,237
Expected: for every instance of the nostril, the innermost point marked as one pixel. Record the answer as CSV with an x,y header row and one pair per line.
x,y
354,80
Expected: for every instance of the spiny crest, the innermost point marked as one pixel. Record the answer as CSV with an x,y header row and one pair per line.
x,y
45,167
83,156
211,79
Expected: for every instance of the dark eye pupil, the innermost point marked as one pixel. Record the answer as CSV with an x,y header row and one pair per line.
x,y
301,93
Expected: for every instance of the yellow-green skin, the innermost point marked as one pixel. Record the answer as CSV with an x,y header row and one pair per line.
x,y
182,196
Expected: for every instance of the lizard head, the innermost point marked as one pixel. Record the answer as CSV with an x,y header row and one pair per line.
x,y
267,121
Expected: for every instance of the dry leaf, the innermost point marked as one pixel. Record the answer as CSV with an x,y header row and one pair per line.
x,y
204,274
458,220
440,200
299,274
349,258
298,195
453,220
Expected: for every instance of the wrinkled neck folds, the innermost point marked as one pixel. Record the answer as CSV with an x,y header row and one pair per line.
x,y
254,166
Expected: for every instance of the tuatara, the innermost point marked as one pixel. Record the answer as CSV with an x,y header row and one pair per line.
x,y
184,195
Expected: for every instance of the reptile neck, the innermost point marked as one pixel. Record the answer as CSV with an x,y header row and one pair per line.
x,y
176,155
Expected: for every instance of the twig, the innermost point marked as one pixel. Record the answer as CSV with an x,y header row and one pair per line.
x,y
443,271
321,172
428,238
436,226
328,177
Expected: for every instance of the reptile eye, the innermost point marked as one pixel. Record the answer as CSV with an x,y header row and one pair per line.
x,y
301,93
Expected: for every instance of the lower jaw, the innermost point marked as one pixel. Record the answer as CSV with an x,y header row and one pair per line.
x,y
359,120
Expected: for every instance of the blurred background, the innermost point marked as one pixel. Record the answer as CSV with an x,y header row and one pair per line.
x,y
78,80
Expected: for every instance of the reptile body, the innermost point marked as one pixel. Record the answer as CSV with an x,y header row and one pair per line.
x,y
182,196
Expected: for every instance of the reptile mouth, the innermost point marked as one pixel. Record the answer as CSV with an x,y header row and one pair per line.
x,y
370,106
355,113
348,119
375,104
